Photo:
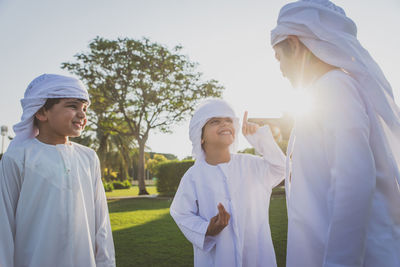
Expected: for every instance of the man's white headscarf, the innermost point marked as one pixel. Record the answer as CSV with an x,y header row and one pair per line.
x,y
39,90
206,110
330,35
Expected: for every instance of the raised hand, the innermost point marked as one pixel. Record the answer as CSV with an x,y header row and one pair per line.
x,y
218,222
248,128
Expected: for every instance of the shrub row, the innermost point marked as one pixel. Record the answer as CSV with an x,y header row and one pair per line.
x,y
122,185
169,175
108,187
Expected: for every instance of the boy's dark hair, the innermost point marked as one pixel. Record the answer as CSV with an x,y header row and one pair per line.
x,y
285,46
288,51
50,102
201,139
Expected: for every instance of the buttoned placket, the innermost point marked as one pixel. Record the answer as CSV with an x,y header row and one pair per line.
x,y
65,151
238,255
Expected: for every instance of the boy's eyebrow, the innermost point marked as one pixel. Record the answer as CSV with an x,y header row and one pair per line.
x,y
75,101
71,102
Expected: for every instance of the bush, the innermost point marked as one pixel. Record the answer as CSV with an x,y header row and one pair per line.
x,y
108,187
169,175
122,185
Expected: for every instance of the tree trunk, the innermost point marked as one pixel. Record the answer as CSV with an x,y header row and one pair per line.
x,y
102,151
142,185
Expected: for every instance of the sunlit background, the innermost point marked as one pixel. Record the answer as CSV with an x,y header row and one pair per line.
x,y
229,39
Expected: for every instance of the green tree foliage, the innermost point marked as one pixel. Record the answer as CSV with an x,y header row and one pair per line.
x,y
166,155
137,86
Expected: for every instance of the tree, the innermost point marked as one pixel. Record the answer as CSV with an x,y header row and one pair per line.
x,y
114,150
141,86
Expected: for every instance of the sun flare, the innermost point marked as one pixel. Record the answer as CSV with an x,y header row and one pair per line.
x,y
298,103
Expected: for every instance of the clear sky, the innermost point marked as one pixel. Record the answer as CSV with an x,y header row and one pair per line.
x,y
228,38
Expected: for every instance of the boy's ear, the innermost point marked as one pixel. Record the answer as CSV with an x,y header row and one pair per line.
x,y
297,47
41,115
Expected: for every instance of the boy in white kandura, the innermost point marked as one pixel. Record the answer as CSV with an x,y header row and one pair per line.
x,y
53,209
221,205
343,157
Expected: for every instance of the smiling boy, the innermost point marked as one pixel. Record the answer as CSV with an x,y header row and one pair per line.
x,y
221,205
52,201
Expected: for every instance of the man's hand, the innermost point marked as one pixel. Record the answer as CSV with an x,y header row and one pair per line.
x,y
218,222
248,128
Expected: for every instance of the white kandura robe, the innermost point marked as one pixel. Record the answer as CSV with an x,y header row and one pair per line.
x,y
243,186
343,208
53,208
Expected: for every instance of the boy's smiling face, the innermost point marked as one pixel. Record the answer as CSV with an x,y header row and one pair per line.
x,y
218,132
64,119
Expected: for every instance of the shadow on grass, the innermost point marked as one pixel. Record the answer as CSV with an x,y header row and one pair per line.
x,y
160,242
157,243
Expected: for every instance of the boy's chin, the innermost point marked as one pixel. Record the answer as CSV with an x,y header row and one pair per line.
x,y
226,143
75,134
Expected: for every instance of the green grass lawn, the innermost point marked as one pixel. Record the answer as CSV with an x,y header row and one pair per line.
x,y
146,235
133,191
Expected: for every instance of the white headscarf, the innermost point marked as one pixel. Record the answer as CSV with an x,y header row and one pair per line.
x,y
206,110
330,35
39,90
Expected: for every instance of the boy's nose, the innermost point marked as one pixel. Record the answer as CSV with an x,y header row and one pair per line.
x,y
81,114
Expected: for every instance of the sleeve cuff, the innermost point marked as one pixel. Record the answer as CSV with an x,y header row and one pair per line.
x,y
264,143
204,242
262,133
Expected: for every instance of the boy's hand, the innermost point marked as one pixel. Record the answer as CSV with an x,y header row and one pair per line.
x,y
248,128
218,222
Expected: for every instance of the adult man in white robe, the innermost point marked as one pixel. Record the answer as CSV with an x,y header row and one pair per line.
x,y
343,158
53,210
221,205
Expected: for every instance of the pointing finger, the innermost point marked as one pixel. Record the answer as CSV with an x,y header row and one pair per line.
x,y
245,117
244,124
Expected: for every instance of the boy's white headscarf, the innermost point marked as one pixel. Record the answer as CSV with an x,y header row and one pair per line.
x,y
330,35
39,90
206,110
